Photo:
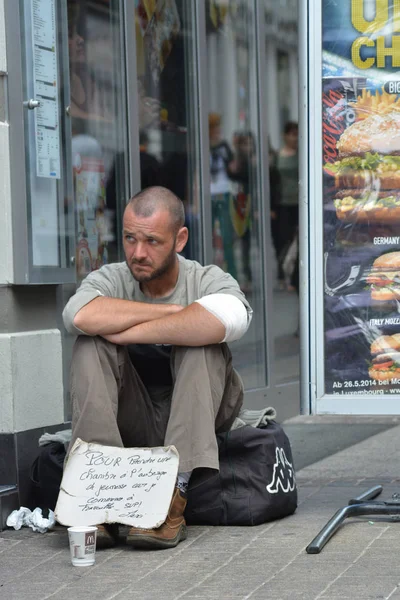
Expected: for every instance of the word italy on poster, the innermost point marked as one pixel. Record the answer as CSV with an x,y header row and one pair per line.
x,y
104,484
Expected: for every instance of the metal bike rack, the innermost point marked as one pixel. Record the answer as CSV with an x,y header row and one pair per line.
x,y
359,506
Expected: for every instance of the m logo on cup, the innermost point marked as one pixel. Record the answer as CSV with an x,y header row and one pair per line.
x,y
90,540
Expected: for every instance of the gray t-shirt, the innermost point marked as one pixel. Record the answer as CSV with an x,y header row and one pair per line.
x,y
116,281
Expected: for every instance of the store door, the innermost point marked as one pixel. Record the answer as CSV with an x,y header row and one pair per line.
x,y
243,183
200,127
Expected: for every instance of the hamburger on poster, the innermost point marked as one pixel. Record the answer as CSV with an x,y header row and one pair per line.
x,y
367,172
384,277
385,351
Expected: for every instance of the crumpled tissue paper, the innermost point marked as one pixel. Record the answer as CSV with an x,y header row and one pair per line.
x,y
35,520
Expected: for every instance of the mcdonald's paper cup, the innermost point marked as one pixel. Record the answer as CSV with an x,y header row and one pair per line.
x,y
82,543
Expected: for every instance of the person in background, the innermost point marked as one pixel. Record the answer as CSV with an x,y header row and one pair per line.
x,y
242,172
150,168
275,202
288,167
77,64
221,156
86,101
150,173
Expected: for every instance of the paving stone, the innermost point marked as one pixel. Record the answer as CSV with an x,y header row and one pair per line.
x,y
360,586
37,590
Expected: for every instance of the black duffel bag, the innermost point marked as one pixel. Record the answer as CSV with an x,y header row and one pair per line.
x,y
256,481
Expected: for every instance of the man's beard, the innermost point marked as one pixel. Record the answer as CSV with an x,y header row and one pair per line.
x,y
166,265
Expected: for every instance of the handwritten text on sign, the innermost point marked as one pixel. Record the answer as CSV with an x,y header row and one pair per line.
x,y
103,484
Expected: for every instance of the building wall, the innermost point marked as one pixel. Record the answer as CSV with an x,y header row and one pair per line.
x,y
31,391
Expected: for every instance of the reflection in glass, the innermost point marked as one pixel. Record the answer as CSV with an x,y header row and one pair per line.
x,y
235,168
221,159
281,108
98,121
167,118
288,213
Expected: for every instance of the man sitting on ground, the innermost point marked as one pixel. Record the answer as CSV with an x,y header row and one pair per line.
x,y
150,366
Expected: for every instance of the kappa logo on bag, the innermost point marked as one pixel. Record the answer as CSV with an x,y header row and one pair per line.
x,y
283,474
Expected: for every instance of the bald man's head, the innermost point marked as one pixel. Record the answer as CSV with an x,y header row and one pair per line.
x,y
156,198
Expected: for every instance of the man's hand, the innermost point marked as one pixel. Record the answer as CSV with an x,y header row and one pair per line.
x,y
104,316
192,326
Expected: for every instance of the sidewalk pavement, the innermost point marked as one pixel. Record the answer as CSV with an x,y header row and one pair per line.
x,y
360,562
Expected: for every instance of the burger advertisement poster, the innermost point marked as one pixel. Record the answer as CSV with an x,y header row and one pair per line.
x,y
361,195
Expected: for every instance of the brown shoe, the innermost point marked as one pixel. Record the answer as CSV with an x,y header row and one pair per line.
x,y
169,534
107,535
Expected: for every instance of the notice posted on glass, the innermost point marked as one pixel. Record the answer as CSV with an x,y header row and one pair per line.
x,y
361,198
46,89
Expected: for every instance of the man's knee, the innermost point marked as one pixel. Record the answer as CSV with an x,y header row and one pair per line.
x,y
83,341
84,346
214,357
92,349
92,343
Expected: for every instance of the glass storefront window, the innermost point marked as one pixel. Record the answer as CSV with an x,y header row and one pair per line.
x,y
84,117
45,134
234,168
99,131
361,203
168,123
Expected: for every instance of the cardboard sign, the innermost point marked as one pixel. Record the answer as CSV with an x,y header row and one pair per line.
x,y
130,486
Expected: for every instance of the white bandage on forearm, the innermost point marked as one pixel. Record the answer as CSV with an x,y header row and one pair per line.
x,y
230,311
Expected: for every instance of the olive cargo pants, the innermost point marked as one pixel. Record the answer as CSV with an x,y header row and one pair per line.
x,y
111,405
